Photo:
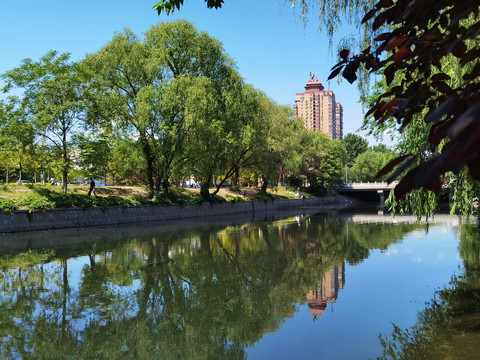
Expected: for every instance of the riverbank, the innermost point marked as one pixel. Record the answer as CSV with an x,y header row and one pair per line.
x,y
22,220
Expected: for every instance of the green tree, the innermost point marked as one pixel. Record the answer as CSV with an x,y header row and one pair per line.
x,y
16,137
282,151
367,165
323,161
354,146
52,100
143,84
95,155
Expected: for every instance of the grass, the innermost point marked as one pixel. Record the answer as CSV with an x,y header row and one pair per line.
x,y
39,198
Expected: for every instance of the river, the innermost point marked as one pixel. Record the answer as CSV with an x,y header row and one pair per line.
x,y
319,286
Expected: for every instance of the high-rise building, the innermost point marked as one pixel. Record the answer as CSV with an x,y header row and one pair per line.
x,y
318,109
339,120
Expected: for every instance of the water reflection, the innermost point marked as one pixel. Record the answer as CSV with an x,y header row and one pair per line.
x,y
326,292
192,293
449,326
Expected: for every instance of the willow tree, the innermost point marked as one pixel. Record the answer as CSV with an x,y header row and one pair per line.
x,y
139,82
52,100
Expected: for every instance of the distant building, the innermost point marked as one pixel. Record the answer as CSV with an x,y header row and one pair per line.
x,y
339,120
319,110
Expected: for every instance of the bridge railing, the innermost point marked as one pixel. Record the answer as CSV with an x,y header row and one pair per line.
x,y
368,185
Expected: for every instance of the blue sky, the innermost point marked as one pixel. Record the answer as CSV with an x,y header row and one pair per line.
x,y
273,52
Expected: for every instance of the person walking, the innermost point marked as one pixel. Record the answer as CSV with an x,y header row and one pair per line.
x,y
92,187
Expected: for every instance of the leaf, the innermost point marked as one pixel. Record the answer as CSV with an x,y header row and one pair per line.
x,y
401,169
458,48
389,73
379,21
471,115
440,77
368,15
385,3
391,165
335,72
384,36
442,87
344,54
438,132
443,109
400,55
403,187
396,42
350,71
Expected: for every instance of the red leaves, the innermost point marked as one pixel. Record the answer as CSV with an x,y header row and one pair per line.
x,y
442,87
350,70
335,72
391,165
401,54
423,34
395,42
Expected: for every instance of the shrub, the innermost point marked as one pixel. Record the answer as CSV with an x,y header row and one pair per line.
x,y
7,205
36,202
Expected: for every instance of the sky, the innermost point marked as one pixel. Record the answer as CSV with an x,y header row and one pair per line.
x,y
272,50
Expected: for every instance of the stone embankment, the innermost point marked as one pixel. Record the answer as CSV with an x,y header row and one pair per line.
x,y
19,221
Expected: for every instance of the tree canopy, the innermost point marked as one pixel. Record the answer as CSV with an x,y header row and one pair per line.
x,y
354,146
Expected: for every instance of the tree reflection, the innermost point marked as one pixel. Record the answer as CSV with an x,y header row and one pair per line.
x,y
449,327
190,294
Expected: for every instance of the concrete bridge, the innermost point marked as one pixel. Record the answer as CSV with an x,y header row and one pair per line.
x,y
369,192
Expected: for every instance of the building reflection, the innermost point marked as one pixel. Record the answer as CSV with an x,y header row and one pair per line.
x,y
326,291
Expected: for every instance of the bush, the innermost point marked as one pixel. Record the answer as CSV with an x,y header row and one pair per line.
x,y
233,199
35,202
7,205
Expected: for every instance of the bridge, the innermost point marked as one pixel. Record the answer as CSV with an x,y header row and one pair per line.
x,y
369,191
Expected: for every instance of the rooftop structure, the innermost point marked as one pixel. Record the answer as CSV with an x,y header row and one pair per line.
x,y
319,110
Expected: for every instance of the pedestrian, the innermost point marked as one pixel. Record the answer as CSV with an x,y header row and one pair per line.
x,y
92,187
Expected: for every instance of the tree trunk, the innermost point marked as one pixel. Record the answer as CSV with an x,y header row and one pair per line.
x,y
65,180
204,190
281,177
263,189
235,179
147,152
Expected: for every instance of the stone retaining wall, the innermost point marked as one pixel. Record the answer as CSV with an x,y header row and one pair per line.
x,y
18,221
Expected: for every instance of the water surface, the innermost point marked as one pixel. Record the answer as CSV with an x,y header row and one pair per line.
x,y
329,286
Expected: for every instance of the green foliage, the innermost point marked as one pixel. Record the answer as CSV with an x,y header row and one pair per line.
x,y
323,161
261,196
466,193
36,202
168,79
51,102
168,6
7,205
420,202
233,199
367,165
354,146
